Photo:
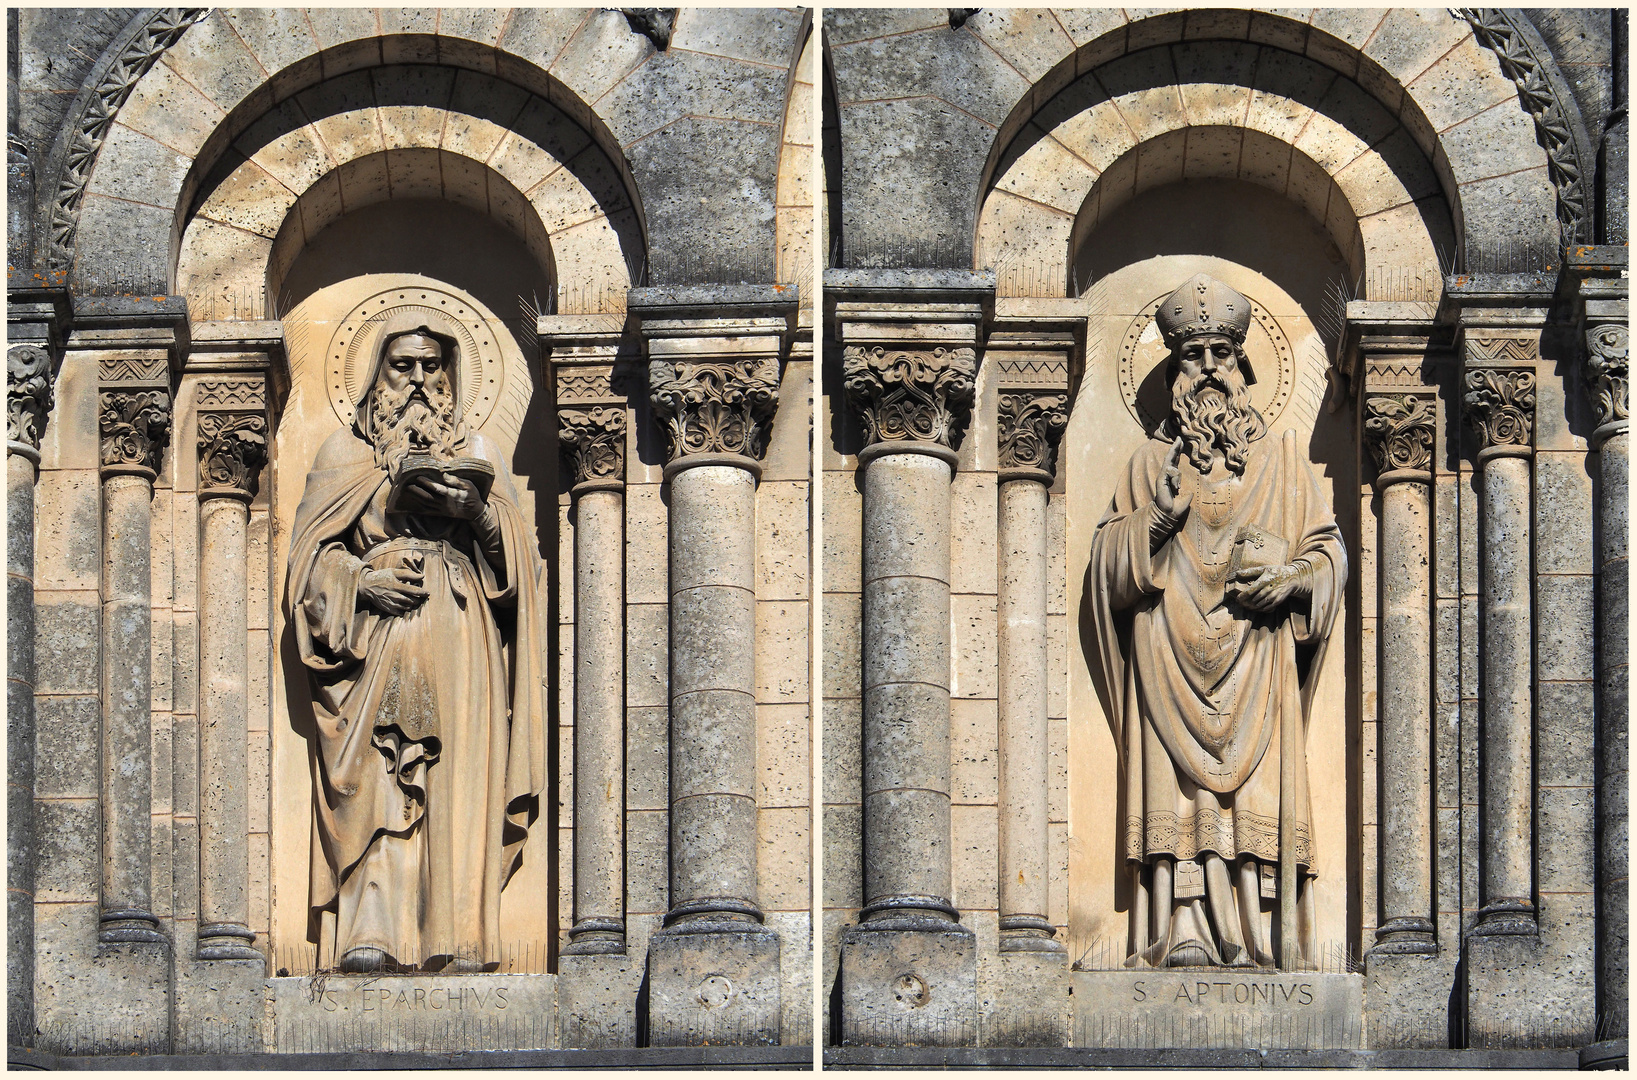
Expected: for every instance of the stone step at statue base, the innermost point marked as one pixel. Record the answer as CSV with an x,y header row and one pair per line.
x,y
1218,1009
329,1014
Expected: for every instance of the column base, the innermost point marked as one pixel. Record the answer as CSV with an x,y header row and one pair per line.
x,y
129,926
597,1000
713,980
1507,918
596,937
227,941
909,980
1404,935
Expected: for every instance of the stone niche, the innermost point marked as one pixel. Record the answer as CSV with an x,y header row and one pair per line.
x,y
1120,398
311,1008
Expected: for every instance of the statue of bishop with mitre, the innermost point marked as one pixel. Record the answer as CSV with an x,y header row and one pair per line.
x,y
1215,578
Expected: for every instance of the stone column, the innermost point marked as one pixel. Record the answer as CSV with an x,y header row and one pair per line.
x,y
593,442
29,377
232,450
1031,423
135,424
1399,430
715,361
1607,349
1500,404
908,969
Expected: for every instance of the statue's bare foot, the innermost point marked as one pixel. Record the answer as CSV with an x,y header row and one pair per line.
x,y
364,960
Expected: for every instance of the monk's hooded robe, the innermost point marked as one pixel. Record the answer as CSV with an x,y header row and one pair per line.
x,y
430,750
1199,685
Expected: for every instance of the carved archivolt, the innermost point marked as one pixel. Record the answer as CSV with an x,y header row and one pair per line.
x,y
593,442
720,407
1500,405
1399,430
135,428
98,106
232,450
1031,425
1556,126
911,396
28,393
1607,346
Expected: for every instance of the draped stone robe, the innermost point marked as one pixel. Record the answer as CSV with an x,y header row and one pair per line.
x,y
429,753
1197,685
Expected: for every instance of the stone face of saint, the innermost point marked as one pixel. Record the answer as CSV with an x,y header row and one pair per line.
x,y
418,627
1215,575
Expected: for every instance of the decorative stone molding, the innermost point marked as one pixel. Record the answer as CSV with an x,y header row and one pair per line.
x,y
28,394
1607,346
1399,430
230,394
1031,426
593,442
1549,102
232,450
135,429
720,407
1500,405
911,396
93,116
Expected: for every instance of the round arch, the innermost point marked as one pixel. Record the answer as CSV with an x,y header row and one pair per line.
x,y
1423,69
236,73
1228,110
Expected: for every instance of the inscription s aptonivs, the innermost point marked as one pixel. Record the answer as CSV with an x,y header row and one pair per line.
x,y
1227,992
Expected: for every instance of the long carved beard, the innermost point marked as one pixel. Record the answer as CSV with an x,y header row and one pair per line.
x,y
400,422
1213,412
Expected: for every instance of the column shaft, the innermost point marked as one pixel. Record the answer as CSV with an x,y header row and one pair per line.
x,y
599,722
224,812
127,747
1024,737
1613,793
20,477
1508,696
907,865
1405,709
713,692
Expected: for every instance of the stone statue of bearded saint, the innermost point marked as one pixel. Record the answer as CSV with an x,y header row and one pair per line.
x,y
1215,576
414,608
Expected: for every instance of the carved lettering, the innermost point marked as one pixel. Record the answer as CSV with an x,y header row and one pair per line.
x,y
1254,992
375,1000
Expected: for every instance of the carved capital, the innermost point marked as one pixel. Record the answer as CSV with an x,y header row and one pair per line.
x,y
1607,345
1500,406
717,407
232,450
28,394
1399,430
1032,423
135,428
911,396
593,442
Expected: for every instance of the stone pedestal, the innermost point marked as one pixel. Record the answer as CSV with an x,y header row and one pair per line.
x,y
597,999
1218,1008
713,982
909,983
